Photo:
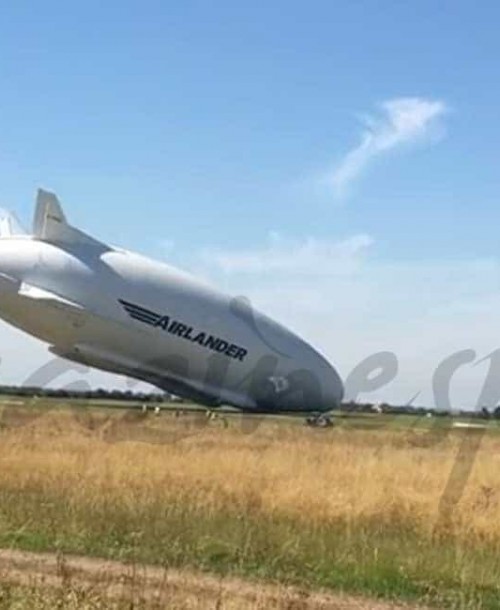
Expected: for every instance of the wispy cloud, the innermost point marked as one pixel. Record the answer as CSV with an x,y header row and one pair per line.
x,y
402,121
350,302
285,256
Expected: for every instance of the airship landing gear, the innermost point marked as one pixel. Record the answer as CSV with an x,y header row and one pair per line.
x,y
214,416
319,421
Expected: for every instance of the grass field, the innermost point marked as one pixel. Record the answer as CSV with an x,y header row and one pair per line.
x,y
394,509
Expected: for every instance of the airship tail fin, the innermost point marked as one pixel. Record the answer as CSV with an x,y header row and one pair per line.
x,y
48,211
9,225
50,223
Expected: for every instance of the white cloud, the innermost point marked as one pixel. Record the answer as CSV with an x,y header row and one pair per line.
x,y
310,256
350,304
403,121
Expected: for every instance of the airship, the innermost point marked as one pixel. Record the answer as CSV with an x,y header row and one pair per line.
x,y
120,312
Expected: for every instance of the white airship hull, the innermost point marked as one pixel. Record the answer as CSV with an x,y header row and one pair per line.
x,y
126,314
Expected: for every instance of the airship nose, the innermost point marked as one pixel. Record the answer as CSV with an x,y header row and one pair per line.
x,y
334,389
331,388
314,384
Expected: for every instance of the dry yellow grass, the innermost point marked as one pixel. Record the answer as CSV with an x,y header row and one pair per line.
x,y
354,509
288,470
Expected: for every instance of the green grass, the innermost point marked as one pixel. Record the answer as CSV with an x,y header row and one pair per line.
x,y
382,561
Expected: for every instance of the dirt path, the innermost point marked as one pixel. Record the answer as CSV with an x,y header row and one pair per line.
x,y
180,589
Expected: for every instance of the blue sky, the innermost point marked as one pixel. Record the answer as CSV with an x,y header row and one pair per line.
x,y
218,136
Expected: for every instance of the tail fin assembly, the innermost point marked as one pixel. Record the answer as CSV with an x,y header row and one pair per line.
x,y
50,224
48,213
9,225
